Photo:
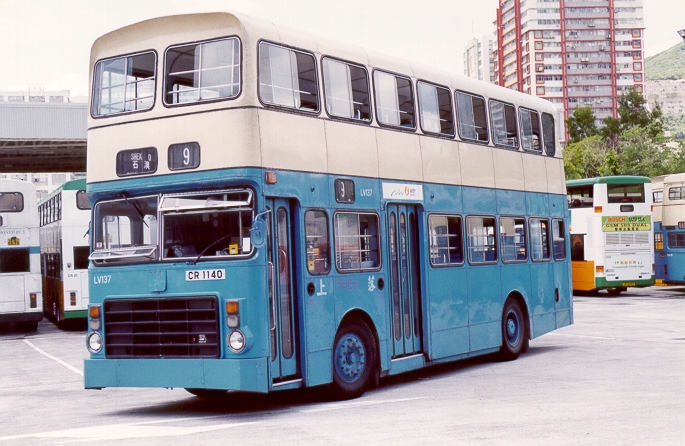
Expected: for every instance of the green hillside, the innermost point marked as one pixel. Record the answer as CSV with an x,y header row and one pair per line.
x,y
669,64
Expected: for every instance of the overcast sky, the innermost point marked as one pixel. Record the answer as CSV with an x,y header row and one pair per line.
x,y
45,44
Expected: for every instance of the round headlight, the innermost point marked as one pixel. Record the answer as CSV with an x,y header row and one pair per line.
x,y
94,342
236,341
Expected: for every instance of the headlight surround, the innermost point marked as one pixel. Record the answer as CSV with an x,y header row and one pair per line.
x,y
236,341
94,342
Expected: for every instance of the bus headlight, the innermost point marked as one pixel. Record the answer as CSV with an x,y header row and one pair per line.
x,y
94,342
236,341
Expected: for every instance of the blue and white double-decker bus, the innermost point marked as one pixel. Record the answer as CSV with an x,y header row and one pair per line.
x,y
274,210
669,228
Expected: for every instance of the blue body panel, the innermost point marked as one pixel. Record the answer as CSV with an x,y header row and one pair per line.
x,y
669,264
461,305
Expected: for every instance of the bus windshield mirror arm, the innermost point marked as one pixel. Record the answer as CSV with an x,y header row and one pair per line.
x,y
260,214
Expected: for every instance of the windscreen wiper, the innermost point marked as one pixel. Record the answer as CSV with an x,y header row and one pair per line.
x,y
135,205
209,246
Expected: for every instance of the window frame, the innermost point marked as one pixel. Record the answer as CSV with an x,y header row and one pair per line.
x,y
23,202
316,112
327,255
564,237
516,125
96,83
203,101
460,235
485,115
544,133
495,240
549,245
368,86
378,236
413,99
525,235
522,133
451,104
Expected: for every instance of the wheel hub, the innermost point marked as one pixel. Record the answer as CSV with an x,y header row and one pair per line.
x,y
350,357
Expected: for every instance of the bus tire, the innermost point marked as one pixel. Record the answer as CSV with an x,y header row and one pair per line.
x,y
514,331
207,393
354,360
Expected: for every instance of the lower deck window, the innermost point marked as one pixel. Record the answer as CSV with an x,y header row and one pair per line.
x,y
14,260
446,242
481,239
513,239
356,241
316,233
558,240
539,239
676,239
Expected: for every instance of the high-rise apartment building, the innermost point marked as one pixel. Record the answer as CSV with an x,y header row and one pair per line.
x,y
571,52
478,58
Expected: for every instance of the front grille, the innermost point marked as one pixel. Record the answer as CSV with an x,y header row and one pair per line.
x,y
162,328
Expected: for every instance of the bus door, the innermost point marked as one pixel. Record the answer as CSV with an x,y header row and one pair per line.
x,y
405,289
281,290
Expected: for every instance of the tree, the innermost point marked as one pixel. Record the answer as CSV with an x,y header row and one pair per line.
x,y
632,144
581,124
632,112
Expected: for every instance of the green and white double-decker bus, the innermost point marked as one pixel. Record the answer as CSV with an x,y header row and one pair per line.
x,y
64,249
612,233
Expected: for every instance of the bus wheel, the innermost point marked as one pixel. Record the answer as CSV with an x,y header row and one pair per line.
x,y
514,331
207,393
354,360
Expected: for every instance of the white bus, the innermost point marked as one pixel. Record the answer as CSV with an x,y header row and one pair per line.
x,y
64,248
20,293
612,236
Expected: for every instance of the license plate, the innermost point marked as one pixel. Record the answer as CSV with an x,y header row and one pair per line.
x,y
195,275
628,283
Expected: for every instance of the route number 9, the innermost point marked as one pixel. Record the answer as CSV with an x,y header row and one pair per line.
x,y
184,156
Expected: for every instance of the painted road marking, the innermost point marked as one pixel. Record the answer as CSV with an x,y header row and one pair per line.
x,y
338,406
59,361
127,431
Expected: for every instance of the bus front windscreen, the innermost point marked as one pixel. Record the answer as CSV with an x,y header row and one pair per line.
x,y
125,229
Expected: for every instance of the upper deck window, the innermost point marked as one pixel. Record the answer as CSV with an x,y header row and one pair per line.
x,y
347,90
676,193
548,134
435,109
287,78
394,100
11,202
202,71
626,193
658,196
124,84
473,123
579,196
530,130
504,128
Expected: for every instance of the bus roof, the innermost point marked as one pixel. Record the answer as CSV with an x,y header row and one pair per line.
x,y
618,179
79,184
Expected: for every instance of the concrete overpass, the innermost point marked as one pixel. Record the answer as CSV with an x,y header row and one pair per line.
x,y
43,137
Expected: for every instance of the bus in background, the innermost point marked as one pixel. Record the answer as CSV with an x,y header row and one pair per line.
x,y
657,214
274,210
611,233
64,248
20,291
669,228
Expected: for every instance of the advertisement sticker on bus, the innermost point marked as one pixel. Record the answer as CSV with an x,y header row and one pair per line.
x,y
626,223
396,191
